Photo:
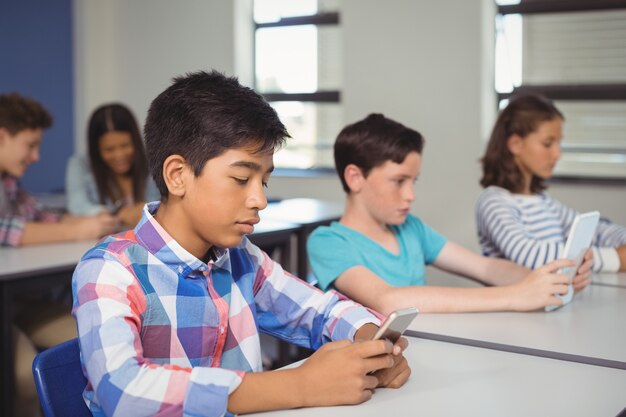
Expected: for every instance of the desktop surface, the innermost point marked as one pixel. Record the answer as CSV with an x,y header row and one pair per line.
x,y
591,326
41,259
615,279
449,379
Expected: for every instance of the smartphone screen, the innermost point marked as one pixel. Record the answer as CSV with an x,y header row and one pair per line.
x,y
395,324
117,207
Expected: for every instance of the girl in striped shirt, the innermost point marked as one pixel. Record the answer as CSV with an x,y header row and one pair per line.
x,y
516,218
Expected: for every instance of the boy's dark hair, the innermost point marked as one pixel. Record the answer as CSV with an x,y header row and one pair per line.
x,y
373,141
116,118
19,113
521,116
203,114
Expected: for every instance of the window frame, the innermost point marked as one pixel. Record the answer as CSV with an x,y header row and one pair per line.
x,y
577,92
319,96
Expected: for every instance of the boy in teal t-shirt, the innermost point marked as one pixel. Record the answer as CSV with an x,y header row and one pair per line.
x,y
419,246
377,251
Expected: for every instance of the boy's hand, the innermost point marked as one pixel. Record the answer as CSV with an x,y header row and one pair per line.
x,y
537,289
92,227
399,373
583,275
621,252
339,372
129,215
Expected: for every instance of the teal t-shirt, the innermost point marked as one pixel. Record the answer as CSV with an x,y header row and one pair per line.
x,y
336,248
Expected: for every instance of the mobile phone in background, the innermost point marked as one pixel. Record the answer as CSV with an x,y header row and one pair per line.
x,y
117,206
395,324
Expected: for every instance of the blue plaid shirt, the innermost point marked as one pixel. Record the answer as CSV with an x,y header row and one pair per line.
x,y
163,333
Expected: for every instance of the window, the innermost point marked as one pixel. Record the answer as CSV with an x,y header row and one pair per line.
x,y
297,68
575,53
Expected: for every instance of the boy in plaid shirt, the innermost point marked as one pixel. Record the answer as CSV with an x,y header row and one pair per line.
x,y
169,313
22,222
42,323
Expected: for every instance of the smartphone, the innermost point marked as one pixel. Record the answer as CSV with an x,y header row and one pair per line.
x,y
117,206
395,324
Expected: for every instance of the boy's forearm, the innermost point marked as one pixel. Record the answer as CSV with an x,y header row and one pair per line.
x,y
365,332
447,299
504,272
265,391
35,233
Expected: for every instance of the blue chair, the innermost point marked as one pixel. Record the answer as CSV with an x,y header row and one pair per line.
x,y
60,381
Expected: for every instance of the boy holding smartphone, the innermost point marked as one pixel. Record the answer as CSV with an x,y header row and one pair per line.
x,y
169,313
376,254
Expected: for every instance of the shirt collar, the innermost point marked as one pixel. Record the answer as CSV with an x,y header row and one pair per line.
x,y
9,183
162,245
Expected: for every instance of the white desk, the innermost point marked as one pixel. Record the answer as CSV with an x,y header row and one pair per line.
x,y
41,259
590,329
617,279
455,380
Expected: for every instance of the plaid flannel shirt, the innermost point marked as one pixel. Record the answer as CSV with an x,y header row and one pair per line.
x,y
163,333
18,207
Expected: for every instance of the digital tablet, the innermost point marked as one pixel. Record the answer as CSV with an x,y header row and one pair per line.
x,y
579,240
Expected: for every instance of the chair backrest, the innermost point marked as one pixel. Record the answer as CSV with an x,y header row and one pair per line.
x,y
60,381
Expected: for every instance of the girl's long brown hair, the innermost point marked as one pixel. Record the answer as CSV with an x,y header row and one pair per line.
x,y
521,116
116,118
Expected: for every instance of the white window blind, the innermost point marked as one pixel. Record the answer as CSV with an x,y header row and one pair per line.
x,y
594,139
572,52
575,47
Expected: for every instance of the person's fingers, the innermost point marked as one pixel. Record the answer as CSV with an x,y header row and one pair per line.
x,y
556,265
555,301
561,289
558,279
400,346
400,379
371,348
370,382
335,345
375,363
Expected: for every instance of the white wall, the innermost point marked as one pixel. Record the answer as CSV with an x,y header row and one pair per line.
x,y
429,64
426,63
129,51
609,199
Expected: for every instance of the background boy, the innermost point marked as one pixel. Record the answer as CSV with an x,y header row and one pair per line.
x,y
377,252
22,222
168,313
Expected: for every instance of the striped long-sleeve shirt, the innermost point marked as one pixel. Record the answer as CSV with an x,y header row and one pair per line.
x,y
531,229
164,333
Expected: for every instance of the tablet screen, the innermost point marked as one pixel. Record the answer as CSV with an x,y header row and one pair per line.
x,y
578,241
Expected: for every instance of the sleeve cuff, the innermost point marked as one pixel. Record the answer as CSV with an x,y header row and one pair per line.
x,y
15,232
209,389
605,260
353,317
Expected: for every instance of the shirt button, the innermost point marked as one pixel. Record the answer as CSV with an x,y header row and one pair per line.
x,y
221,329
180,269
